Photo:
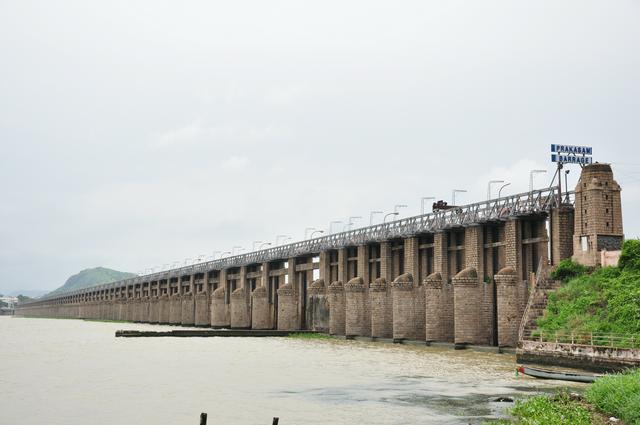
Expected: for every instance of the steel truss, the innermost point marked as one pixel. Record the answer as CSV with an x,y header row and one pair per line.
x,y
537,202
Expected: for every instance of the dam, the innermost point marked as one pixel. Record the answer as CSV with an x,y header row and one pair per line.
x,y
460,274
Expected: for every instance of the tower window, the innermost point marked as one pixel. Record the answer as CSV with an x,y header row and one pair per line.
x,y
607,224
607,210
606,196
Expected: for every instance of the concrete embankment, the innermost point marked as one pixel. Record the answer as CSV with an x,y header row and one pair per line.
x,y
578,356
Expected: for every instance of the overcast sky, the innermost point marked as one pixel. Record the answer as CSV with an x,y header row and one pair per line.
x,y
134,134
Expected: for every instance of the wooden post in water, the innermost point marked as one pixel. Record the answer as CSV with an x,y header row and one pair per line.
x,y
275,421
203,418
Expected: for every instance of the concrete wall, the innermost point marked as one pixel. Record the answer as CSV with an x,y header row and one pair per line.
x,y
336,308
317,307
261,310
287,308
240,310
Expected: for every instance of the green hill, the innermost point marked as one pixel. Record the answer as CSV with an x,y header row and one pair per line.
x,y
91,277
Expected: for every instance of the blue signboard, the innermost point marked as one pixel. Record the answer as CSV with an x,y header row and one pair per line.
x,y
572,150
569,154
571,159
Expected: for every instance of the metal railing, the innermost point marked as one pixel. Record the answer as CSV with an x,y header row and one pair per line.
x,y
594,339
541,273
522,204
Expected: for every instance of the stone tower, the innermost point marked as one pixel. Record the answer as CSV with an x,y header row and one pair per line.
x,y
598,215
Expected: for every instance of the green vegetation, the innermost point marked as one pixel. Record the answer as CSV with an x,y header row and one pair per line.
x,y
92,277
612,395
304,335
558,409
567,269
606,301
3,304
618,395
23,298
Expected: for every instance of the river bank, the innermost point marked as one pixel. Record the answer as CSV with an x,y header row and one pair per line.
x,y
609,399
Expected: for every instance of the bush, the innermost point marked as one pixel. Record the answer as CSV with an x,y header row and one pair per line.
x,y
557,410
618,395
630,256
567,269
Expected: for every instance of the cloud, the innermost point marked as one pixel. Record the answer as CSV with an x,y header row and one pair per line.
x,y
235,163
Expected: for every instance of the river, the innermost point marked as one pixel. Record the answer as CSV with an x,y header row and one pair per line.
x,y
74,372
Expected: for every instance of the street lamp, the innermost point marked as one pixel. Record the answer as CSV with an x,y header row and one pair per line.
x,y
233,250
224,253
424,198
331,225
532,173
453,195
313,233
502,187
265,244
489,187
284,239
398,206
371,214
186,260
253,248
307,230
350,223
384,220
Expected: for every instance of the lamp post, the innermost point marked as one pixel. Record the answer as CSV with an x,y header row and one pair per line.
x,y
313,233
371,214
253,247
397,207
225,253
350,222
384,220
453,195
278,239
307,230
532,173
566,185
489,187
331,225
502,187
265,244
284,239
424,198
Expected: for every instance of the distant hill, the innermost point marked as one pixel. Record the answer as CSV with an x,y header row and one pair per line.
x,y
32,293
92,277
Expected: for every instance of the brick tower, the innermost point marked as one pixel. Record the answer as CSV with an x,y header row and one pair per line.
x,y
598,215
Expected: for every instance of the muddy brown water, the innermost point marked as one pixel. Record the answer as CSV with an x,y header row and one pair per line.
x,y
74,372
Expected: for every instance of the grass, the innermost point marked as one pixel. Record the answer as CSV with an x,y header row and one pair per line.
x,y
559,409
606,301
618,395
615,395
305,335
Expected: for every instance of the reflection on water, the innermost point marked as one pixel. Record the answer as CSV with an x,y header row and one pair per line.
x,y
69,372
